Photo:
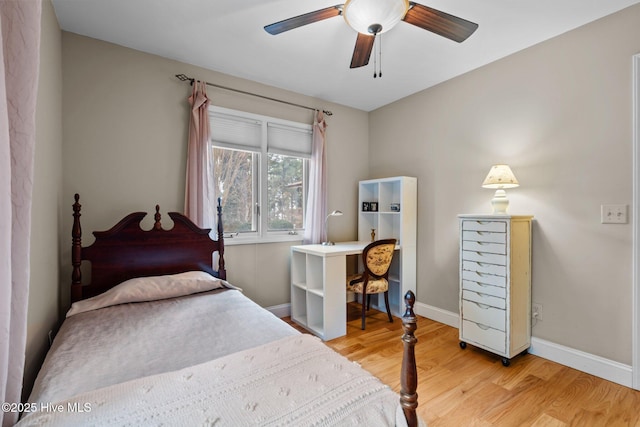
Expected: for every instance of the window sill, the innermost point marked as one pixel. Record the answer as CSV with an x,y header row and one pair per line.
x,y
233,241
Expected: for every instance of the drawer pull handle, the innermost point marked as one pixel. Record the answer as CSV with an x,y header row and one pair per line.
x,y
482,306
481,326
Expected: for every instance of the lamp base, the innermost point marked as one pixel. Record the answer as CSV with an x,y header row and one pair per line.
x,y
500,202
328,243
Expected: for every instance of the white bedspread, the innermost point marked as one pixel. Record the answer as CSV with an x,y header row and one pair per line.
x,y
294,381
107,346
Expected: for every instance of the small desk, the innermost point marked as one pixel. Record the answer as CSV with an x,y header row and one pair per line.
x,y
318,287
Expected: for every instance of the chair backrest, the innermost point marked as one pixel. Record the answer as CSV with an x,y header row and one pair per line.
x,y
377,257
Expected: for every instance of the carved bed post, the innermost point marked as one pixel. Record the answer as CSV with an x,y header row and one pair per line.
x,y
76,252
222,272
409,376
157,225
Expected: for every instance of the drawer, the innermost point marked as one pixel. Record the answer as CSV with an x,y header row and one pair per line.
x,y
484,314
487,279
497,270
493,248
484,299
495,291
484,335
495,226
484,236
484,257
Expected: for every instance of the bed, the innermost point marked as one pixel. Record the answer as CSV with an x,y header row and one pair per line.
x,y
159,337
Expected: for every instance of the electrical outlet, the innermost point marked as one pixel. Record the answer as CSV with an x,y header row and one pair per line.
x,y
536,311
613,214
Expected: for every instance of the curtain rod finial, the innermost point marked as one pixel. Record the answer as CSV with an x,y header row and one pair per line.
x,y
184,78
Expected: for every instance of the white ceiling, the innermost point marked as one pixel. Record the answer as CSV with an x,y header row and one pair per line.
x,y
228,36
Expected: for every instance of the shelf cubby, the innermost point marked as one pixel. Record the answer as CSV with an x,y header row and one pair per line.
x,y
398,223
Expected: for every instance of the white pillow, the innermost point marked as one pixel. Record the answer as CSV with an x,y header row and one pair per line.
x,y
151,288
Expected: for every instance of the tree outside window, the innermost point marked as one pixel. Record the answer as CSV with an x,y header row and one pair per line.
x,y
285,189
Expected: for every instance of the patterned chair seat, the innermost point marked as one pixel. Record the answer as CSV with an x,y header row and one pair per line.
x,y
375,286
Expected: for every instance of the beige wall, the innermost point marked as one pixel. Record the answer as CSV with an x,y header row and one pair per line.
x,y
125,119
560,114
47,189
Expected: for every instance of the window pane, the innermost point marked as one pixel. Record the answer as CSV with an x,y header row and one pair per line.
x,y
235,183
285,192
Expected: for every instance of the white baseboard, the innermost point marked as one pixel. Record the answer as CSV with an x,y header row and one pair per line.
x,y
591,364
282,310
594,365
439,315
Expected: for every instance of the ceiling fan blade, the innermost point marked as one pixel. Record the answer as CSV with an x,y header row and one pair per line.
x,y
443,24
307,18
362,51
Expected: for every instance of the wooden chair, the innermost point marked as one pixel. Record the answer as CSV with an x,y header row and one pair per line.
x,y
376,258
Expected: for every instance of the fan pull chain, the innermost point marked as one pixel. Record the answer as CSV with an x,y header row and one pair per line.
x,y
377,67
380,53
375,59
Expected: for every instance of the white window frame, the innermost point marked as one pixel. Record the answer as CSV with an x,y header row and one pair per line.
x,y
262,234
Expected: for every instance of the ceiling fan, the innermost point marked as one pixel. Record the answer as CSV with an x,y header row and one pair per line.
x,y
372,17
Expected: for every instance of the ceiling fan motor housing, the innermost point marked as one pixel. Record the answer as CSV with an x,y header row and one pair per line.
x,y
374,29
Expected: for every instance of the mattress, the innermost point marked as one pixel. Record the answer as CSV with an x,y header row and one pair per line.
x,y
123,342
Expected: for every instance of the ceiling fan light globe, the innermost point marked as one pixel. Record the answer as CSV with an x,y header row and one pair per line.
x,y
363,14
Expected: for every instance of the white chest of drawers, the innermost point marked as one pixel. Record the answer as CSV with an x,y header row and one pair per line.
x,y
495,283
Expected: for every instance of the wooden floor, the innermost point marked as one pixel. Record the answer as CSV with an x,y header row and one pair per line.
x,y
471,387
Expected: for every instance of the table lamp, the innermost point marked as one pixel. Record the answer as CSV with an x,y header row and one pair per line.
x,y
334,213
500,177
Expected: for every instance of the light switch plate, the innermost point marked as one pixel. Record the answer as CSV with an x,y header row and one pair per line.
x,y
613,214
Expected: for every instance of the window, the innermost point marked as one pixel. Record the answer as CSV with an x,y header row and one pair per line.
x,y
261,174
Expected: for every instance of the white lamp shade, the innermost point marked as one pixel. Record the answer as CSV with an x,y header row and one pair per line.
x,y
500,176
361,14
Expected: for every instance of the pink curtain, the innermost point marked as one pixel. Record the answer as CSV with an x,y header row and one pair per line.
x,y
200,192
314,224
20,52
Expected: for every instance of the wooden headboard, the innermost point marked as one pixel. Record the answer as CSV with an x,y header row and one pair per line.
x,y
127,251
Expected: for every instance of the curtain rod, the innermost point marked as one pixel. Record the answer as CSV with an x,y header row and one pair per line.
x,y
184,78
